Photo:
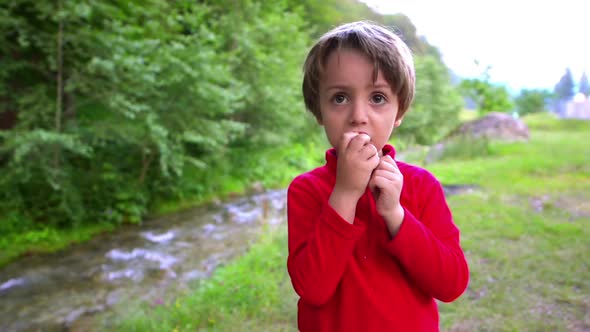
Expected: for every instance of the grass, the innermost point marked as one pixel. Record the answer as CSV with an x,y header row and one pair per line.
x,y
556,158
526,235
45,240
467,115
252,293
529,270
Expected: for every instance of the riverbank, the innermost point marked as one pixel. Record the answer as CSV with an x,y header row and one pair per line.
x,y
154,264
29,241
525,233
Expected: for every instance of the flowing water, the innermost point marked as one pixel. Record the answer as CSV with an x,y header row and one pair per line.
x,y
150,263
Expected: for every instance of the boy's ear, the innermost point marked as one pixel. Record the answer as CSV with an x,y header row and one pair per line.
x,y
398,121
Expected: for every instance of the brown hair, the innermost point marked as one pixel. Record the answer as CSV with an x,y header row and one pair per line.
x,y
385,49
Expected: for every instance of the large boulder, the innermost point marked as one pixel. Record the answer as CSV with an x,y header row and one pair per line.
x,y
494,126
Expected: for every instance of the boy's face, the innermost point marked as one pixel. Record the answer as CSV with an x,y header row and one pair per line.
x,y
350,101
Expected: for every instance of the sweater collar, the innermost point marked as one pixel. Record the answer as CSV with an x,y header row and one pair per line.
x,y
332,159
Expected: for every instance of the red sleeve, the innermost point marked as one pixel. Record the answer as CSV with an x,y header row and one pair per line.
x,y
320,243
429,250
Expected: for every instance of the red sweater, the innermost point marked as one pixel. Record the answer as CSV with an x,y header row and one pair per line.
x,y
355,277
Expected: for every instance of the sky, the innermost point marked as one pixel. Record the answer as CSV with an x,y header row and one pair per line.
x,y
528,44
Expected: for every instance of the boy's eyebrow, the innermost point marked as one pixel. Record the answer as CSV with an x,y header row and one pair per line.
x,y
345,87
380,86
337,87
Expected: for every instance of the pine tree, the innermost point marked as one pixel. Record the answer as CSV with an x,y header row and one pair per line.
x,y
564,89
584,86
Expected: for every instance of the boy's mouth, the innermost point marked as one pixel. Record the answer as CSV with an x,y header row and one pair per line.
x,y
364,132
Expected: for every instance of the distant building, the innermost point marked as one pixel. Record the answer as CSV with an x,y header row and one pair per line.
x,y
578,107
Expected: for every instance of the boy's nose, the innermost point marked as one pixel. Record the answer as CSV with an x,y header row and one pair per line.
x,y
359,114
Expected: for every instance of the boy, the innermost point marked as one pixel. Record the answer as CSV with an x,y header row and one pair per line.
x,y
372,242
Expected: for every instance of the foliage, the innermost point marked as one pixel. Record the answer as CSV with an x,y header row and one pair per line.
x,y
487,96
404,26
321,16
532,101
564,89
266,48
437,104
134,95
21,235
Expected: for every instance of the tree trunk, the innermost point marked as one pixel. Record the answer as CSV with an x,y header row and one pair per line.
x,y
59,97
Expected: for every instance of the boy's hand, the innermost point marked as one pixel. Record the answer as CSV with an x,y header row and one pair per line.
x,y
357,158
386,184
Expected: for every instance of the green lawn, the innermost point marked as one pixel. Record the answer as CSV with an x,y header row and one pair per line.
x,y
526,234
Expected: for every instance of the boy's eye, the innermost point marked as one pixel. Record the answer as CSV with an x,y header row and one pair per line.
x,y
378,99
339,99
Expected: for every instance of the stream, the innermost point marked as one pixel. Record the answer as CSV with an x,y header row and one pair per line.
x,y
150,263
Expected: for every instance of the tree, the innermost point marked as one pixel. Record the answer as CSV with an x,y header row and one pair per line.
x,y
564,89
487,97
115,101
584,86
532,101
404,26
321,16
435,110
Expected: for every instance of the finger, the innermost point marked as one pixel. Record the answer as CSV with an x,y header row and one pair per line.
x,y
346,138
388,160
365,135
374,160
379,182
392,176
368,151
387,166
359,141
